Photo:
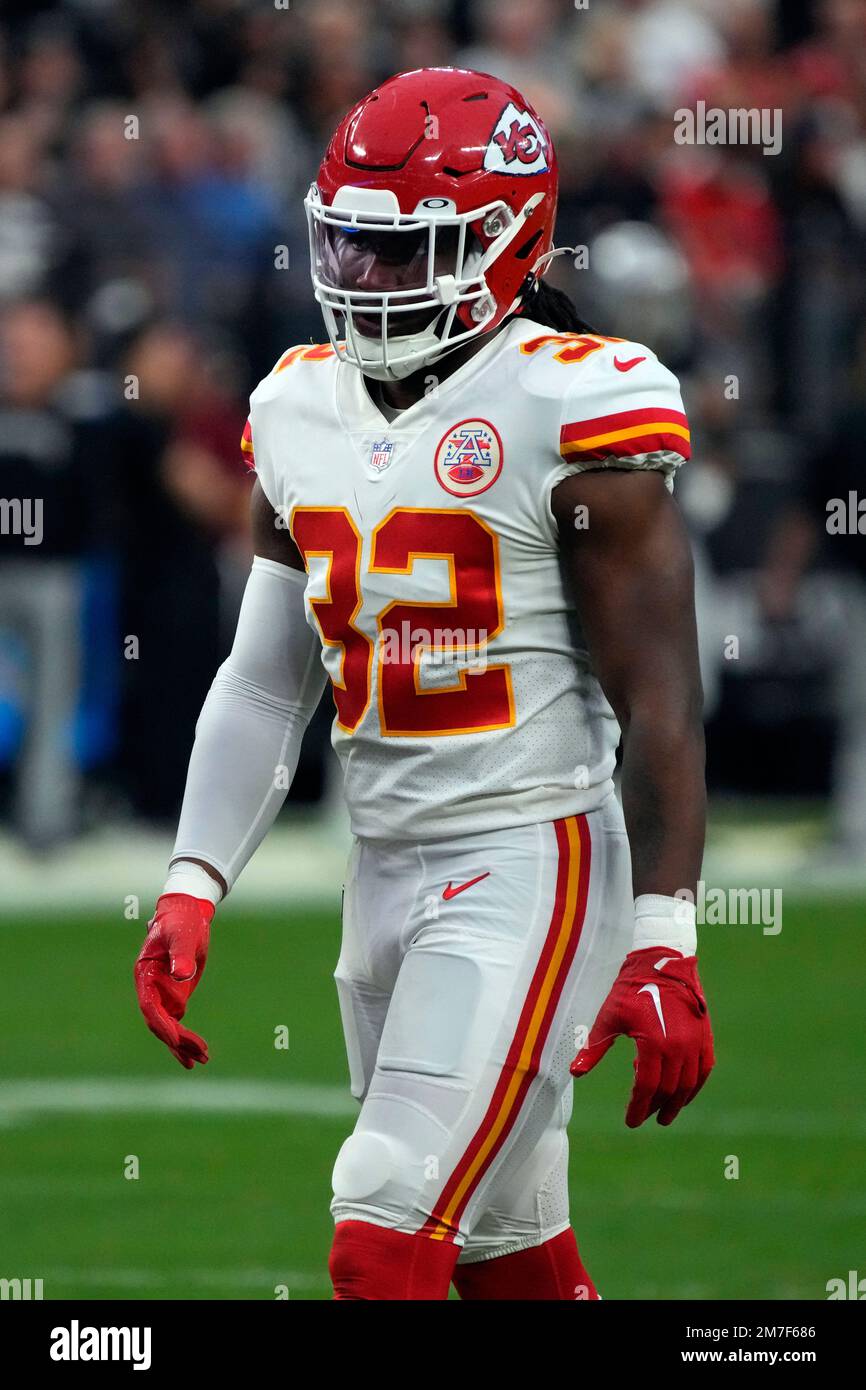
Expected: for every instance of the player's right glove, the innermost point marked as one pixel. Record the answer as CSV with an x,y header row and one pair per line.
x,y
169,967
656,999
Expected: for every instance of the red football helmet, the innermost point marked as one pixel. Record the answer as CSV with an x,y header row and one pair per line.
x,y
432,214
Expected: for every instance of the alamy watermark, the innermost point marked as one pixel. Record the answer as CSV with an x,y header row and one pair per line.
x,y
77,1343
22,516
846,516
738,125
854,1287
21,1290
404,645
731,907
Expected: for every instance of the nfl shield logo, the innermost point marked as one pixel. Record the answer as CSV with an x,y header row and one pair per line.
x,y
380,454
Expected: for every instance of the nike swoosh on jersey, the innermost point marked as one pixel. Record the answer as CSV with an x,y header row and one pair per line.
x,y
450,892
653,992
627,366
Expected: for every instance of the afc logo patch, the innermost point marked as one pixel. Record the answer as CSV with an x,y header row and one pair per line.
x,y
468,458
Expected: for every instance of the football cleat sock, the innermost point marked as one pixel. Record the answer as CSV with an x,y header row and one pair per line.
x,y
553,1270
375,1262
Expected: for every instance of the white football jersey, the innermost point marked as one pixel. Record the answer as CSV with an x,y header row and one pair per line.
x,y
464,694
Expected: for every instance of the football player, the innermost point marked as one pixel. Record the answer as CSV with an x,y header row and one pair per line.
x,y
463,517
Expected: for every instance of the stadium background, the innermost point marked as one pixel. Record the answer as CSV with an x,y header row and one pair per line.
x,y
139,303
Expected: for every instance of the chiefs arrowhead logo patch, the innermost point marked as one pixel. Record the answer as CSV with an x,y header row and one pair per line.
x,y
517,145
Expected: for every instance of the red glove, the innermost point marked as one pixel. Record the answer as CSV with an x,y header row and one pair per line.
x,y
656,999
168,969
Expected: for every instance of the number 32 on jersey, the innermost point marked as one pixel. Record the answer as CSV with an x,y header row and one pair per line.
x,y
480,700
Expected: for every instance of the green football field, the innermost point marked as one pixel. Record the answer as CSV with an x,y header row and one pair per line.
x,y
233,1161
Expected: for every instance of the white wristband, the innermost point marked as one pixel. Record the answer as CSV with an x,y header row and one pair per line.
x,y
186,877
662,921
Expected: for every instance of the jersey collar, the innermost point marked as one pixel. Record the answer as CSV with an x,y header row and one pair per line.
x,y
358,411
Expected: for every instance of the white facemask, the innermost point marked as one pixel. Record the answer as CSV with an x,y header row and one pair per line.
x,y
423,292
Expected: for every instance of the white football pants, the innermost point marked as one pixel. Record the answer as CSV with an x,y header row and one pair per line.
x,y
471,972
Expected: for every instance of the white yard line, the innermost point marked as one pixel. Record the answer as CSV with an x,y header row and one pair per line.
x,y
136,1095
99,1095
736,1204
301,863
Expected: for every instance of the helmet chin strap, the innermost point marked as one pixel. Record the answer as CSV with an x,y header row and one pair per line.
x,y
426,347
550,255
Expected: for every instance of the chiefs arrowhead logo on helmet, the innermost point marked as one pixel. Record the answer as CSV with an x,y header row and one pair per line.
x,y
518,145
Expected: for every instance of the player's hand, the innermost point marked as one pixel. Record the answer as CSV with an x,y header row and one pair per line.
x,y
168,969
656,999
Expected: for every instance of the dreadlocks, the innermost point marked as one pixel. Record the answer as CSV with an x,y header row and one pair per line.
x,y
554,309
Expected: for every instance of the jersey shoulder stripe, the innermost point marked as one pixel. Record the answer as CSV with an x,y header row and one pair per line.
x,y
304,352
623,409
247,453
625,433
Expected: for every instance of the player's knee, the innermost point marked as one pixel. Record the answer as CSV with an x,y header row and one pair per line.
x,y
365,1166
391,1168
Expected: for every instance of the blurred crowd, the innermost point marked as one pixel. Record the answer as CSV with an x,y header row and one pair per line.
x,y
153,158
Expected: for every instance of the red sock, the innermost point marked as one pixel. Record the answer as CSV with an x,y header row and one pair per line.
x,y
374,1262
553,1270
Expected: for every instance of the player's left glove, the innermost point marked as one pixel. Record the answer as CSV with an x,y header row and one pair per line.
x,y
168,969
656,999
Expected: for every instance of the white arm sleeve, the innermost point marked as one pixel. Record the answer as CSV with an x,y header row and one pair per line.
x,y
248,735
